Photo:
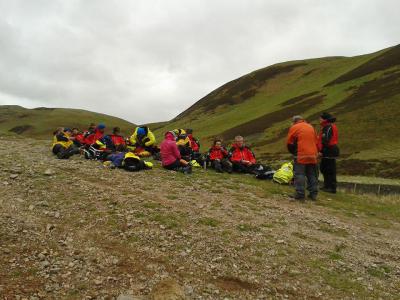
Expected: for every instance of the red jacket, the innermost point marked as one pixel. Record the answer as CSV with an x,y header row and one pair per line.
x,y
328,136
117,139
92,138
80,138
194,143
169,150
217,153
237,154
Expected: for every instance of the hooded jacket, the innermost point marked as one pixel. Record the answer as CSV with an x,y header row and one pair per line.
x,y
217,153
169,150
328,139
237,154
62,139
145,141
93,137
302,143
194,143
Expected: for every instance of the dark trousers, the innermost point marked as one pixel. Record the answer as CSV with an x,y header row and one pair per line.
x,y
241,168
174,166
328,170
302,173
65,153
222,165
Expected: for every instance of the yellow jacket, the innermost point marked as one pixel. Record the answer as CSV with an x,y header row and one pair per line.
x,y
146,141
62,139
182,138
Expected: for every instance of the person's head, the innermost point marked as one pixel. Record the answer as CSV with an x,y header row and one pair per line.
x,y
171,135
92,127
58,130
239,140
101,127
217,143
68,130
116,130
75,130
141,132
297,119
326,118
189,131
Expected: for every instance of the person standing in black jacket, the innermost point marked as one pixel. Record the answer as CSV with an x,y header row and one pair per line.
x,y
329,150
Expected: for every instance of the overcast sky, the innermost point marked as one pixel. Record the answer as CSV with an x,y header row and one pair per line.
x,y
148,60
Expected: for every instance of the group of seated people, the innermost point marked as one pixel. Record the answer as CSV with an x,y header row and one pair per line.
x,y
179,151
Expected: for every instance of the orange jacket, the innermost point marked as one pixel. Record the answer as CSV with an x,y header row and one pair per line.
x,y
302,142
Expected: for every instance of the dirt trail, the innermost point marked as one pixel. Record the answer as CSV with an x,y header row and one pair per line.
x,y
75,230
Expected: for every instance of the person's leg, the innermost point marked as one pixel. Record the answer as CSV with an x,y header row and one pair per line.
x,y
57,149
217,166
238,167
299,180
226,165
174,166
330,175
323,169
312,180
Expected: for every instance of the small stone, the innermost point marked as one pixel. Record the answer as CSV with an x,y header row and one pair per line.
x,y
14,176
280,241
31,207
49,172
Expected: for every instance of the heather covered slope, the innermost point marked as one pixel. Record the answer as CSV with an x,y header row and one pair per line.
x,y
363,91
41,122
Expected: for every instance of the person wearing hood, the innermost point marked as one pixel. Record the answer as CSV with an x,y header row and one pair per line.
x,y
171,157
242,158
142,142
219,157
63,146
329,151
97,134
118,140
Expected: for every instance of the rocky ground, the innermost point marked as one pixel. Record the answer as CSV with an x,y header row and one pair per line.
x,y
72,229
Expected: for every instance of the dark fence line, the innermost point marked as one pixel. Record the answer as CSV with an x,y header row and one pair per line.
x,y
364,188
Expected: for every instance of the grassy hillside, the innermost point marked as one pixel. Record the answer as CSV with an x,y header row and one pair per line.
x,y
41,122
362,91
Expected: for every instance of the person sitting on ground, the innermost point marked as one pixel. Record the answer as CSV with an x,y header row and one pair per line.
x,y
77,137
302,143
97,134
195,146
170,155
142,142
242,158
118,140
91,129
184,144
329,151
63,146
219,157
128,161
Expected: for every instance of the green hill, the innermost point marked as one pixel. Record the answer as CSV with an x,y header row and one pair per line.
x,y
362,91
41,122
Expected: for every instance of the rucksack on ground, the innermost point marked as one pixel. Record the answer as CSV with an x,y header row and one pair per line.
x,y
285,174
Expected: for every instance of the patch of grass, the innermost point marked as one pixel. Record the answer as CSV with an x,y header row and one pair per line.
x,y
335,255
169,220
172,197
379,271
247,227
333,230
152,205
208,221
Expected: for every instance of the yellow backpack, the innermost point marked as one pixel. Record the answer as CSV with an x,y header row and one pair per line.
x,y
285,174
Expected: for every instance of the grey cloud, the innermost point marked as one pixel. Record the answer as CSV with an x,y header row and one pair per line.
x,y
148,60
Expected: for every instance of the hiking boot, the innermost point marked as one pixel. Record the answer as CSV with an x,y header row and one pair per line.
x,y
328,190
297,197
312,197
187,170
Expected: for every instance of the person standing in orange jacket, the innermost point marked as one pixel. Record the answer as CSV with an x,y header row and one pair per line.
x,y
302,143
